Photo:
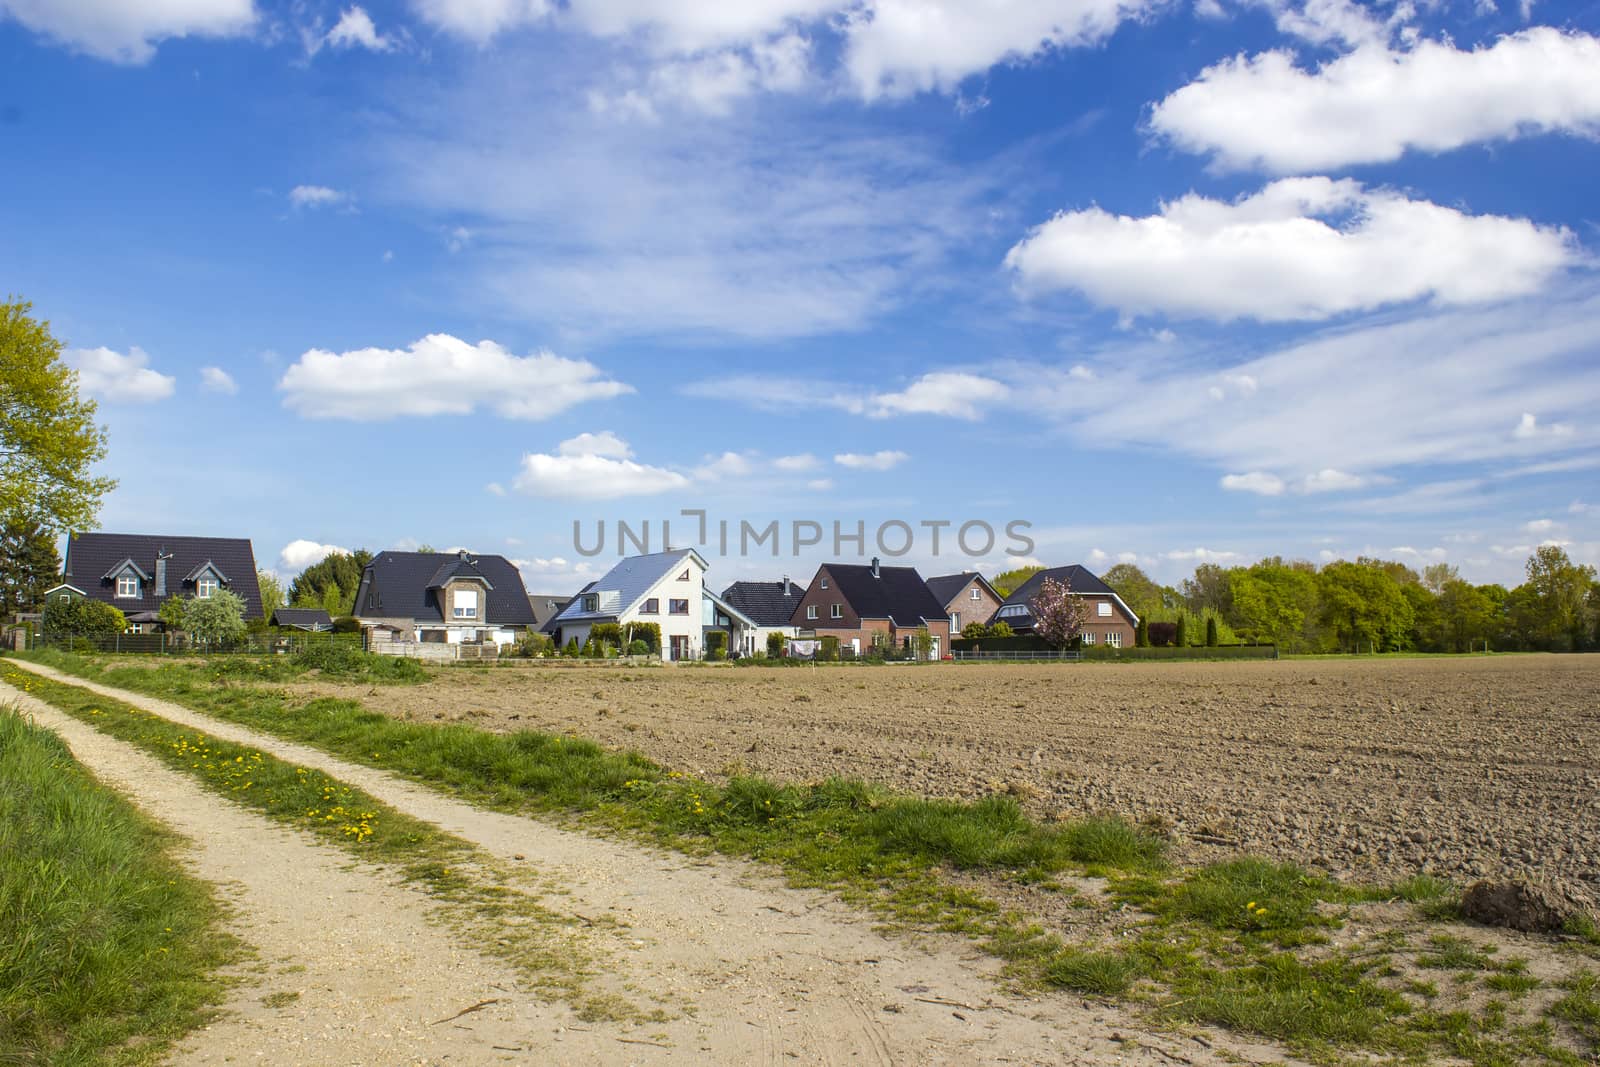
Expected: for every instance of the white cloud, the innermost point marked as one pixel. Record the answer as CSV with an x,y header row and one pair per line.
x,y
805,461
217,380
297,555
576,473
458,238
711,82
1098,556
315,196
495,489
1254,482
1201,555
355,29
958,395
1528,427
440,375
820,484
1539,526
1301,248
1373,104
1578,507
727,465
127,32
1329,480
118,378
874,461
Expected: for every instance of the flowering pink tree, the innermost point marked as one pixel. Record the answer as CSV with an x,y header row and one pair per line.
x,y
1058,612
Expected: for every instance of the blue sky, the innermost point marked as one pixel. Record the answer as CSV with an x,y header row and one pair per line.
x,y
1172,282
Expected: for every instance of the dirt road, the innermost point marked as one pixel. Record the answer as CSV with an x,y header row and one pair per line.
x,y
768,974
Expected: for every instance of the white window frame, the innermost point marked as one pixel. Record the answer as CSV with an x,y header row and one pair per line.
x,y
205,585
132,591
457,611
955,622
836,612
1114,639
1088,640
977,594
1102,608
811,611
822,583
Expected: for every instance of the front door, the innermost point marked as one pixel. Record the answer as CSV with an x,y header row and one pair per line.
x,y
680,647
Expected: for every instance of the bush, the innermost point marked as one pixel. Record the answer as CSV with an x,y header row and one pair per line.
x,y
605,635
571,651
1211,631
342,660
1180,636
347,624
639,648
80,616
533,645
1002,629
1162,634
716,645
830,649
648,632
775,643
217,619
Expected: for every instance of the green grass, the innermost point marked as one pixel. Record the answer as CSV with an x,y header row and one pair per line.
x,y
108,949
1580,1007
1280,996
1450,953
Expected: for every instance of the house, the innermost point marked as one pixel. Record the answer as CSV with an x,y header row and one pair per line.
x,y
137,573
443,598
864,605
770,605
666,588
1109,620
546,607
967,598
312,620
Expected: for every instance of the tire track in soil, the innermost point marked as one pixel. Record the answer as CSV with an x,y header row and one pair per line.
x,y
774,974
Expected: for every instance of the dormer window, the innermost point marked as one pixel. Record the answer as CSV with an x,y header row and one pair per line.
x,y
204,586
466,604
127,585
591,602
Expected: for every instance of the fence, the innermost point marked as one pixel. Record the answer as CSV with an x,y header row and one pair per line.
x,y
1102,653
174,644
963,656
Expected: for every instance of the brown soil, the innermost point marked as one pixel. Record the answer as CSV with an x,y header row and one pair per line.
x,y
1370,768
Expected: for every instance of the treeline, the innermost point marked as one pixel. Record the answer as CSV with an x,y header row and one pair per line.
x,y
1375,605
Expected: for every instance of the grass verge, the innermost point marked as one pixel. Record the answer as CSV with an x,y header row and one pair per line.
x,y
109,951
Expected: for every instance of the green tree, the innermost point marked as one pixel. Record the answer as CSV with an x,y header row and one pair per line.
x,y
310,587
1141,633
49,442
1463,617
1136,588
1362,605
1211,631
29,564
172,613
1558,591
1209,590
1435,576
333,599
217,619
1273,602
1182,638
79,616
272,592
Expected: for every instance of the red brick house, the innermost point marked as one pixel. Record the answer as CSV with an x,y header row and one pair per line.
x,y
864,605
967,598
1109,621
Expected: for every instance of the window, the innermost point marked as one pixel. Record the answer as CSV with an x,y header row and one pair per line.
x,y
204,586
127,585
651,607
1011,611
822,583
1088,639
1103,609
678,607
684,577
591,602
135,628
976,594
836,612
466,604
955,621
1114,639
811,611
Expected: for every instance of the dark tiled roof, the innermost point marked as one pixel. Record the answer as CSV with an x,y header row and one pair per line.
x,y
400,585
303,618
765,602
93,559
547,606
898,593
1078,578
945,586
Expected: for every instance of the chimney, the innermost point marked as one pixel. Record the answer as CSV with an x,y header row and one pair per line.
x,y
876,571
785,585
161,574
462,555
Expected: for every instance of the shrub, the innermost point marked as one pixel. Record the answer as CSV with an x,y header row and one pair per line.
x,y
80,616
1002,629
775,643
605,635
1162,634
648,632
532,644
1211,631
571,651
639,647
347,624
973,631
217,619
1180,636
337,659
1141,634
830,649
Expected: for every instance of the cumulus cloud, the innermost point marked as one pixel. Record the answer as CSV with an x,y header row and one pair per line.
x,y
118,378
1300,249
805,461
958,395
355,29
1327,480
1201,555
217,380
315,196
1374,103
872,461
1528,428
1259,482
727,465
593,467
440,375
299,554
128,32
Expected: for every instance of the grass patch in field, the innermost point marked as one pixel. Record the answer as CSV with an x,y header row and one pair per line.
x,y
1106,974
1282,997
1250,896
1450,953
1514,983
108,949
478,897
1580,1007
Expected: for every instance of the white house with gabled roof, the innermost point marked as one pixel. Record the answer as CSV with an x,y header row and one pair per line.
x,y
666,588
